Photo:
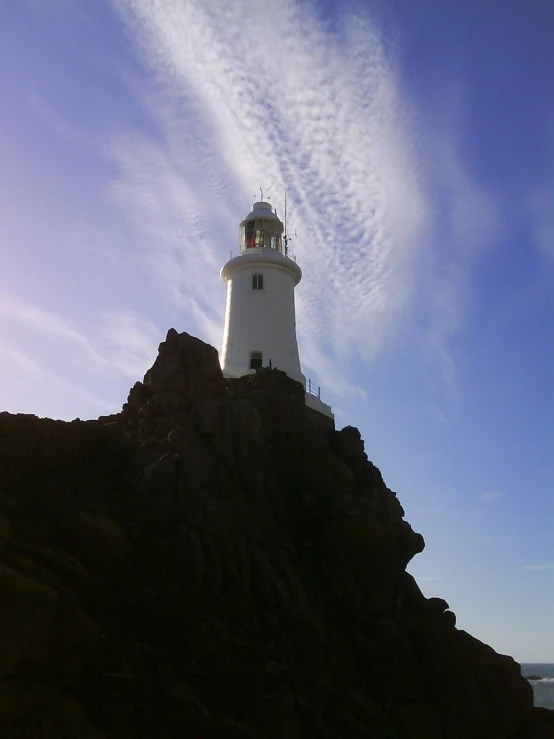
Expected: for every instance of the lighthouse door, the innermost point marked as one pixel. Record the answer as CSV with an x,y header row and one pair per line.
x,y
256,360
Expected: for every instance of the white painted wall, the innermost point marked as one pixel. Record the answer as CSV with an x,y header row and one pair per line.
x,y
261,320
312,401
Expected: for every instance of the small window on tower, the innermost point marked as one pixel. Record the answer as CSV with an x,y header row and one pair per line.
x,y
255,360
257,282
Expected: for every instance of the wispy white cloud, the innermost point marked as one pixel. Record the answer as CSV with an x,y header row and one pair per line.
x,y
208,321
47,322
323,114
491,495
103,243
538,567
465,222
248,94
235,110
54,121
18,369
129,342
123,342
316,361
43,320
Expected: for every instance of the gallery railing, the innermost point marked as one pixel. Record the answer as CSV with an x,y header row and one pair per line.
x,y
284,252
313,389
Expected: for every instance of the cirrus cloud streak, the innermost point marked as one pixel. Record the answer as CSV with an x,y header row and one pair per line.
x,y
247,94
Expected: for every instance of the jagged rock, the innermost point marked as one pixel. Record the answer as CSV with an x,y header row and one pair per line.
x,y
186,367
36,711
539,725
209,563
44,635
417,722
6,504
56,562
27,611
437,605
138,396
411,543
450,618
157,482
236,419
349,447
5,530
515,701
19,698
95,539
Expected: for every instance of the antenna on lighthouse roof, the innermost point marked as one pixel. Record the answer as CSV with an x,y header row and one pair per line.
x,y
285,237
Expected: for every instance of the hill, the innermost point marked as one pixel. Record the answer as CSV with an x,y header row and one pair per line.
x,y
211,563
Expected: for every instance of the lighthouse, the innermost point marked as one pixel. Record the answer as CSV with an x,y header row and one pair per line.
x,y
260,317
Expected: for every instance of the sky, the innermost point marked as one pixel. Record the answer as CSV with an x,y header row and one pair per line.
x,y
415,141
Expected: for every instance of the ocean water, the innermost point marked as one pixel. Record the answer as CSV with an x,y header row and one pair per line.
x,y
543,688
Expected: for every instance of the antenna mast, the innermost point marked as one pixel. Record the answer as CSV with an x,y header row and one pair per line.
x,y
286,238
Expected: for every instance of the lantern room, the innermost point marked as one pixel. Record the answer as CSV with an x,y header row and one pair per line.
x,y
261,229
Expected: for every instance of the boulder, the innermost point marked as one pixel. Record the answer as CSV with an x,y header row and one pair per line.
x,y
35,711
44,635
27,613
5,531
417,722
349,447
185,367
157,481
94,539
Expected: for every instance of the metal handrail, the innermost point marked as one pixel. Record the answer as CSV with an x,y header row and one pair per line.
x,y
309,387
313,389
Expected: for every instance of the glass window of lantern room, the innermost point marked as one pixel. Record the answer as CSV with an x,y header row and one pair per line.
x,y
257,282
249,235
260,233
256,361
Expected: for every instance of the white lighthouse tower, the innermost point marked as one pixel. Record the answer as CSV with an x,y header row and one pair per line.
x,y
260,319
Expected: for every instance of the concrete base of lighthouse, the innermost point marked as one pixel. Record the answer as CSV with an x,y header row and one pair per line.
x,y
318,411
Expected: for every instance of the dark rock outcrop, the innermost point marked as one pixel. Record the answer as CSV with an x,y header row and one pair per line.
x,y
207,563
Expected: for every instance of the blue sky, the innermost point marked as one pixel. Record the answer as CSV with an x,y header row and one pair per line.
x,y
415,140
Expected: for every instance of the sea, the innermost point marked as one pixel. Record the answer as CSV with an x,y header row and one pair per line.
x,y
543,687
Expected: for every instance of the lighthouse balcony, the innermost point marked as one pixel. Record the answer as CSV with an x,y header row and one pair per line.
x,y
261,258
244,250
316,408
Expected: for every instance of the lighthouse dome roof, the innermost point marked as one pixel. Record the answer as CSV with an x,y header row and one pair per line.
x,y
262,210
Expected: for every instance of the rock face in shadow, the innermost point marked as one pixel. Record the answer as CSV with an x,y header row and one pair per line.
x,y
208,563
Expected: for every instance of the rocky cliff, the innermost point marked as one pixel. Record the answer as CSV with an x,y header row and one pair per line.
x,y
209,563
